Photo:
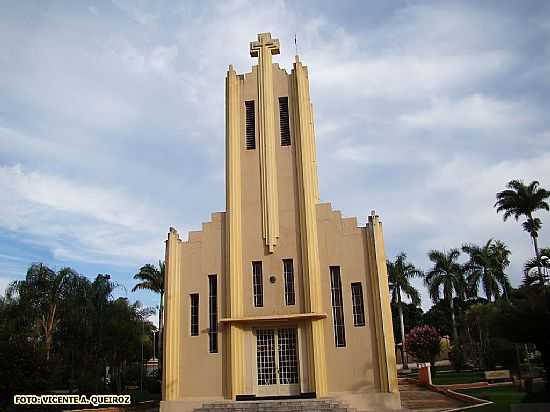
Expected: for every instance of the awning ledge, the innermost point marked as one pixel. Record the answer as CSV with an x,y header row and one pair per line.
x,y
275,318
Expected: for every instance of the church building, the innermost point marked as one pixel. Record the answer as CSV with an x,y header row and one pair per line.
x,y
279,296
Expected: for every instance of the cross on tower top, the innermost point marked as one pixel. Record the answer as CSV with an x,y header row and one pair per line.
x,y
264,43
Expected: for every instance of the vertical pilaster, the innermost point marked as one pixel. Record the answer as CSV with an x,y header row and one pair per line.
x,y
379,293
171,382
234,231
307,198
263,49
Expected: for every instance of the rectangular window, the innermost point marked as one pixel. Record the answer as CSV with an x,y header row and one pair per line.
x,y
213,315
250,123
358,307
284,124
288,268
194,314
258,282
337,306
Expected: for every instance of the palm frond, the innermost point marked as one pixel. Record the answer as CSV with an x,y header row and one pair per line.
x,y
151,278
399,274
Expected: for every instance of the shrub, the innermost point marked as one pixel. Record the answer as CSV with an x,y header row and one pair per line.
x,y
424,343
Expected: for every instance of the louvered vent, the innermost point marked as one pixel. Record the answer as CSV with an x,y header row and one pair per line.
x,y
250,125
283,121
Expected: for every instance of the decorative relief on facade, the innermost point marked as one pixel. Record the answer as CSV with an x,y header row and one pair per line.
x,y
264,48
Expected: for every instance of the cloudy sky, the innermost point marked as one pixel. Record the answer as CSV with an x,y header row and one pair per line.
x,y
112,120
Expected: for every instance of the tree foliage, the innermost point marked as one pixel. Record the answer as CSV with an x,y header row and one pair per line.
x,y
400,273
153,279
486,266
531,278
520,200
61,330
424,343
447,277
412,316
526,318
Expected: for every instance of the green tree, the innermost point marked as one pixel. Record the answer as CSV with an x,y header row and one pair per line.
x,y
447,276
23,365
523,200
412,316
526,318
76,334
126,329
153,279
542,262
89,333
486,265
400,273
479,318
42,291
102,290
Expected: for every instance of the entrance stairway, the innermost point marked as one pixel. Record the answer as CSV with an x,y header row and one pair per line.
x,y
290,405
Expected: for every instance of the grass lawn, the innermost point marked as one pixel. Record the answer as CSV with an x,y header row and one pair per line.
x,y
448,378
443,377
504,396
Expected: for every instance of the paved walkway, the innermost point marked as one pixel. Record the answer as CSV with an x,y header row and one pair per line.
x,y
418,398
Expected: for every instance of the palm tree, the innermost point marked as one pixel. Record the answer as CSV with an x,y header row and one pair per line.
x,y
153,279
400,273
542,262
523,200
446,274
486,265
42,292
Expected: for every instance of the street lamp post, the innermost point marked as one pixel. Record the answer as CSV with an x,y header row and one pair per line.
x,y
154,333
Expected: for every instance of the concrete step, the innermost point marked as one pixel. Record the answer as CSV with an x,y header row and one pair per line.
x,y
298,405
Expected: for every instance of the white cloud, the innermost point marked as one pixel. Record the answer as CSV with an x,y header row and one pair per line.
x,y
136,13
87,223
456,207
60,194
383,155
162,57
117,122
471,112
404,77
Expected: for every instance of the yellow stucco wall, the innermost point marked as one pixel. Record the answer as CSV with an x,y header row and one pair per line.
x,y
359,367
342,243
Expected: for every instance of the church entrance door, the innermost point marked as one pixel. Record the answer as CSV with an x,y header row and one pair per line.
x,y
277,362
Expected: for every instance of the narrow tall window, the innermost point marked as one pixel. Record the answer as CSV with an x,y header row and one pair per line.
x,y
250,123
258,283
337,306
288,268
213,315
358,306
283,121
194,314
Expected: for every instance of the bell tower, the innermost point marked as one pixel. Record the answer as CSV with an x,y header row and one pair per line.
x,y
272,183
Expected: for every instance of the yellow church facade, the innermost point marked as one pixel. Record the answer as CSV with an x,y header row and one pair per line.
x,y
278,296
